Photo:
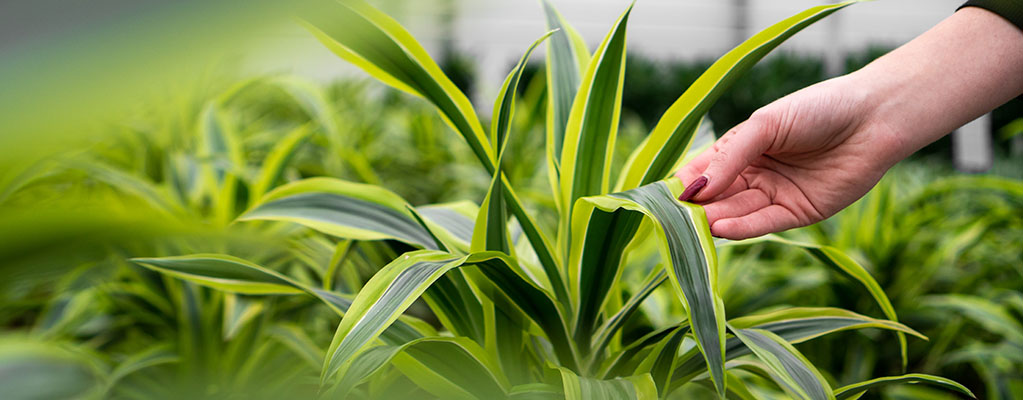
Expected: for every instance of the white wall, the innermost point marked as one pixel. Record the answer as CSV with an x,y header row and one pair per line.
x,y
495,32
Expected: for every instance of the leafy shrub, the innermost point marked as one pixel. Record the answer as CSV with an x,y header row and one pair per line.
x,y
521,315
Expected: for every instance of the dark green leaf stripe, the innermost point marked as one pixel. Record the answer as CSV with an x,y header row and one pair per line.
x,y
563,71
333,209
344,209
852,391
534,302
457,223
664,361
789,368
605,238
593,123
693,266
673,134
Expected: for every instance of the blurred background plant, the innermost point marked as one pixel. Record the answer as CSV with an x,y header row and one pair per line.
x,y
168,176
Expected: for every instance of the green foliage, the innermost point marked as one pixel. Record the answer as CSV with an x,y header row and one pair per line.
x,y
279,246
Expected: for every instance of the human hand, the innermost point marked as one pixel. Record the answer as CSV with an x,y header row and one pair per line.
x,y
808,155
794,162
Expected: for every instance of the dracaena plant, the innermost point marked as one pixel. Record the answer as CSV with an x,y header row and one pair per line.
x,y
522,310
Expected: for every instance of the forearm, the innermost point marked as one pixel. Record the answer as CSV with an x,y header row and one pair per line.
x,y
965,66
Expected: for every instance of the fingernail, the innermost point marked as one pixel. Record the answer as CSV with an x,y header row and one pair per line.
x,y
693,188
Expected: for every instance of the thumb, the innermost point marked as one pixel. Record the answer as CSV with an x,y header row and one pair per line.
x,y
733,152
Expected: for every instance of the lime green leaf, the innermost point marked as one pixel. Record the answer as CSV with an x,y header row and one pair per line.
x,y
491,228
377,44
788,367
592,125
838,260
639,387
393,289
344,209
795,325
364,36
234,275
673,134
566,57
536,391
296,339
239,311
452,368
685,242
857,389
381,301
276,161
456,218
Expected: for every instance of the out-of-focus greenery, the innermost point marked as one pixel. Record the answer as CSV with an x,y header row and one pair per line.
x,y
78,320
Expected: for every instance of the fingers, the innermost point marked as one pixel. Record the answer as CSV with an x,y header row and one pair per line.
x,y
740,204
773,218
729,156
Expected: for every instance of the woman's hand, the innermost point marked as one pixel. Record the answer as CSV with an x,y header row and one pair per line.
x,y
808,155
794,162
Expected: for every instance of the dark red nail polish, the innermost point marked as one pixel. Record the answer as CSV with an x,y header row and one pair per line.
x,y
693,188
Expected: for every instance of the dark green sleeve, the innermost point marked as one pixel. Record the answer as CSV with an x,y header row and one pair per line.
x,y
1011,10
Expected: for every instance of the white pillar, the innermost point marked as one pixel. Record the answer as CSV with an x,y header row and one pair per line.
x,y
971,145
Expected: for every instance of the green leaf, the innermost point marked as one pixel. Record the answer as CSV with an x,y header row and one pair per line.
x,y
614,324
276,161
376,43
37,370
344,209
788,367
296,339
566,57
857,389
379,45
221,153
239,311
671,137
640,387
491,228
223,272
234,275
628,360
457,218
393,289
992,316
452,368
381,301
592,125
685,242
795,325
153,356
838,260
